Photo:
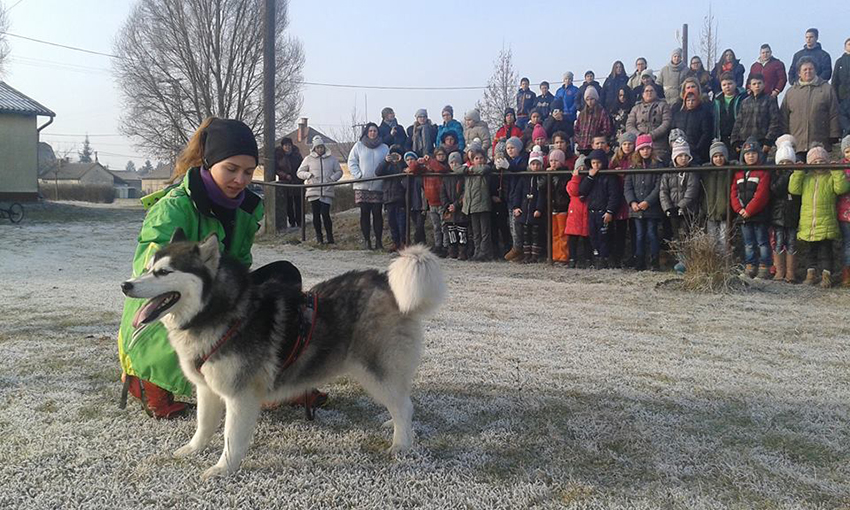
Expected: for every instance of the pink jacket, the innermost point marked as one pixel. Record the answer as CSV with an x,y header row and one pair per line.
x,y
843,204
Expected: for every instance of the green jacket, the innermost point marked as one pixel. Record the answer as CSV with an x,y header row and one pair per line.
x,y
819,190
714,200
476,192
146,353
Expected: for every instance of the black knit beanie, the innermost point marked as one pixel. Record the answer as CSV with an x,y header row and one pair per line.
x,y
224,138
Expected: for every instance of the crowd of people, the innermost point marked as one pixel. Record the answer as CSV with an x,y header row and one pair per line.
x,y
685,116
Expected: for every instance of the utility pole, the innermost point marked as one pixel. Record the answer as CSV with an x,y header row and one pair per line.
x,y
268,111
685,45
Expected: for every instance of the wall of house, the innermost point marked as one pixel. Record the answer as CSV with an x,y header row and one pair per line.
x,y
98,176
153,185
18,157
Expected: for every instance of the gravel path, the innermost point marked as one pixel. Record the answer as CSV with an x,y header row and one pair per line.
x,y
540,387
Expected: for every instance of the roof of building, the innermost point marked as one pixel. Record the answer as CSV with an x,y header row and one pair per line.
x,y
12,101
71,171
162,171
125,175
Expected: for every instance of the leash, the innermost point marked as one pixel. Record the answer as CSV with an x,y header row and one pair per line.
x,y
227,336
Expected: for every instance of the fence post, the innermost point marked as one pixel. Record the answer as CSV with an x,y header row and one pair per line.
x,y
729,177
407,192
302,195
549,218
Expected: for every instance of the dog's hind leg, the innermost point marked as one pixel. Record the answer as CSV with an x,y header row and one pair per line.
x,y
239,424
210,408
396,398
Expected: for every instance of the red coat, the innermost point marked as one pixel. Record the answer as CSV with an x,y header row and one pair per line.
x,y
431,185
577,214
751,191
775,77
503,134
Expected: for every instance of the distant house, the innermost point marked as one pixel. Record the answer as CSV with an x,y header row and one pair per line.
x,y
65,173
127,184
302,137
156,180
19,144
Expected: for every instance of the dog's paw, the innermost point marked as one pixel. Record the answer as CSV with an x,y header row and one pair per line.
x,y
184,451
387,424
214,472
395,449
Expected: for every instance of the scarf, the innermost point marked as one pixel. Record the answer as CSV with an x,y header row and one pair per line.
x,y
422,138
370,143
217,196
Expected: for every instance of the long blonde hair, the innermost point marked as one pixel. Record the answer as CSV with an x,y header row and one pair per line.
x,y
193,153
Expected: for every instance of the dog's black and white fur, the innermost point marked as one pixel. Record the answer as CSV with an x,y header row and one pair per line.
x,y
368,326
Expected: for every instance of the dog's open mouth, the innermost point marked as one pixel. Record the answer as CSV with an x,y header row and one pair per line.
x,y
154,308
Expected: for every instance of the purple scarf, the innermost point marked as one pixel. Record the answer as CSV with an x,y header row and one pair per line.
x,y
217,196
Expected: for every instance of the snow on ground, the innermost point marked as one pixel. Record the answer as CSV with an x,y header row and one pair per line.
x,y
540,387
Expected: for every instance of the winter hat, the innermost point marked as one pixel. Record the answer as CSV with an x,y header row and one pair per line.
x,y
647,72
422,112
538,132
591,92
448,108
718,147
473,115
628,136
386,111
536,156
455,159
558,155
785,152
581,161
789,139
397,149
224,138
474,145
599,154
569,75
533,111
509,110
410,154
845,143
816,153
677,51
751,145
317,141
643,141
675,134
516,142
680,146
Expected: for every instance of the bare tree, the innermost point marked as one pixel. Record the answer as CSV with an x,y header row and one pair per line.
x,y
185,60
4,45
501,90
708,39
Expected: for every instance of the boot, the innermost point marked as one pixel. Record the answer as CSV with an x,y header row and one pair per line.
x,y
779,263
810,276
513,254
330,234
453,250
366,244
654,265
750,271
790,264
526,253
379,245
319,238
157,402
845,277
825,279
763,272
536,253
463,252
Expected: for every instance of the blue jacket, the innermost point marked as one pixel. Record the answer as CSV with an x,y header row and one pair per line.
x,y
455,127
567,96
524,102
529,195
544,104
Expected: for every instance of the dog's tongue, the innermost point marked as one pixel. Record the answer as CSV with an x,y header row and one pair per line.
x,y
147,309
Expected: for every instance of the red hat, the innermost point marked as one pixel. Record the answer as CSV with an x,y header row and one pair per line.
x,y
643,141
538,132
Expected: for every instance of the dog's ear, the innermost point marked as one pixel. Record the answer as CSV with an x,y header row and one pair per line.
x,y
178,236
209,251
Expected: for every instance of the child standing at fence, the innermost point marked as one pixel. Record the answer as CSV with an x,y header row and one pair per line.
x,y
528,205
476,205
560,206
451,195
602,196
844,216
431,187
642,193
750,197
785,209
619,227
577,229
680,196
714,203
818,219
394,192
320,167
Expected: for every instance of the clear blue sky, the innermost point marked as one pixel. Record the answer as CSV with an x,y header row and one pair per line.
x,y
434,43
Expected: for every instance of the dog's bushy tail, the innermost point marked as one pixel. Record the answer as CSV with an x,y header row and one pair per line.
x,y
417,281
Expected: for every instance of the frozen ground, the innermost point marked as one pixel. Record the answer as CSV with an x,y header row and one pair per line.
x,y
540,388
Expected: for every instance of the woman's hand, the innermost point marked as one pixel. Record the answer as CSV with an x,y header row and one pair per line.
x,y
643,205
635,207
517,212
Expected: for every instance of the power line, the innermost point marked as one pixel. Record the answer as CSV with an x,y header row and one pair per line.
x,y
61,45
14,5
79,134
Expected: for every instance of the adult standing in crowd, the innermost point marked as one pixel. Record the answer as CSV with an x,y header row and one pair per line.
x,y
773,70
390,131
841,84
363,159
652,117
525,100
635,79
819,57
422,135
691,116
567,94
611,87
810,109
287,159
728,63
451,125
320,167
647,78
671,76
589,81
545,101
476,128
698,72
621,109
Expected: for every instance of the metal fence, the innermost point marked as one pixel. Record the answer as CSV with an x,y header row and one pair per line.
x,y
729,169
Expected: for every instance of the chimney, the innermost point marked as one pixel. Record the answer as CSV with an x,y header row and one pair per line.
x,y
302,129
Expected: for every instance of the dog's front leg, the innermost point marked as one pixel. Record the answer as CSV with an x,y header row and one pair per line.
x,y
239,424
210,408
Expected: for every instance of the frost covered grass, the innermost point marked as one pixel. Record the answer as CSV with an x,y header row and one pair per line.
x,y
539,387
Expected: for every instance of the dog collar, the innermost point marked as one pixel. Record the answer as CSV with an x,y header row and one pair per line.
x,y
227,336
309,315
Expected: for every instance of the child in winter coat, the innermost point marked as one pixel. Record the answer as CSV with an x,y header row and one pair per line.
x,y
750,197
577,228
786,211
680,195
602,195
510,160
394,193
714,204
501,184
844,216
455,223
619,232
560,205
818,219
528,205
477,205
317,168
642,193
431,187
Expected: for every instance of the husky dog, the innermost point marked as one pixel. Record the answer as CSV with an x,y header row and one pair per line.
x,y
237,339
